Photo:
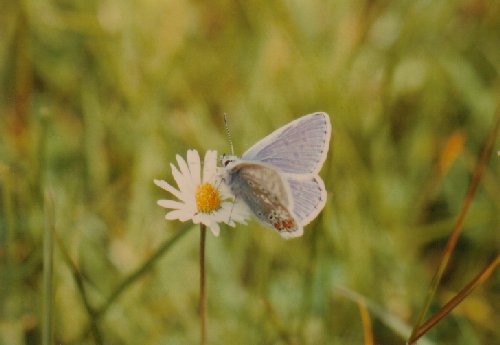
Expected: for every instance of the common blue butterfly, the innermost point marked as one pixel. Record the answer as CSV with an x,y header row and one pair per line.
x,y
278,179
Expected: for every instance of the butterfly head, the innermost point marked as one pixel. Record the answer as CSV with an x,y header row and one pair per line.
x,y
227,160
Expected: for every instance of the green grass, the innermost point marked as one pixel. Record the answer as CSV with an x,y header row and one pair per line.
x,y
97,98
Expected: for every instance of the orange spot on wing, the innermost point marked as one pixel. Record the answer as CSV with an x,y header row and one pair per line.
x,y
288,223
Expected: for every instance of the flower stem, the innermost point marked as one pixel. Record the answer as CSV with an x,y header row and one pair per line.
x,y
203,296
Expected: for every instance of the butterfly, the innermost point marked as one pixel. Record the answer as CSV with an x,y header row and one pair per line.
x,y
277,178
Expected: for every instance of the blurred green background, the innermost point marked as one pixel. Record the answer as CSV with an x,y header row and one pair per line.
x,y
97,97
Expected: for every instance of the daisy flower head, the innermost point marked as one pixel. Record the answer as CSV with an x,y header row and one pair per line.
x,y
203,198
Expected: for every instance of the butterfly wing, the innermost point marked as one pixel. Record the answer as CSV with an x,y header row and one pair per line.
x,y
266,193
309,198
299,147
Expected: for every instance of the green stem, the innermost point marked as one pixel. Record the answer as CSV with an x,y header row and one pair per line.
x,y
145,267
48,250
79,281
203,296
130,279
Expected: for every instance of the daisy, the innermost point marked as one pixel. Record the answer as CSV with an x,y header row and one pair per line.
x,y
203,199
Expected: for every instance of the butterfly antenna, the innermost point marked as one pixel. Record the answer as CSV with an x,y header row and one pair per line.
x,y
228,133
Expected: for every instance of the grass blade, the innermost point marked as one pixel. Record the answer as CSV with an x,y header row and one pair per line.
x,y
455,301
366,321
452,240
145,267
48,286
394,323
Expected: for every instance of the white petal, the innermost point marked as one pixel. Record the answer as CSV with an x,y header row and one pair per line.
x,y
193,160
182,215
191,204
164,185
183,182
210,166
178,177
201,218
189,184
184,169
171,204
215,228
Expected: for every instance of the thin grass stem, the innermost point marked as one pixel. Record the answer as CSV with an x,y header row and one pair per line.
x,y
129,280
7,242
48,254
6,175
279,326
366,322
456,300
140,271
452,240
79,281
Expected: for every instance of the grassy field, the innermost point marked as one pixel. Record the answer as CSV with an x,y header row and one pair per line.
x,y
97,98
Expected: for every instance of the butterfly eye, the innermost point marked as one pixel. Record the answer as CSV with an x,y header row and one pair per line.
x,y
226,161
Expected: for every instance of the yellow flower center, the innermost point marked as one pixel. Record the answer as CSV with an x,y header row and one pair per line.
x,y
207,198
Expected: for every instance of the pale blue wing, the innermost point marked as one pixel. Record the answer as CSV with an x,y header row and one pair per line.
x,y
299,147
309,198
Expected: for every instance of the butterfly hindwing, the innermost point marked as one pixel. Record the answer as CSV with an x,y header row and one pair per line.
x,y
298,148
266,193
309,198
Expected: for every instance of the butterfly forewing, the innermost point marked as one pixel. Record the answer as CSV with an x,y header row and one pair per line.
x,y
298,148
267,195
